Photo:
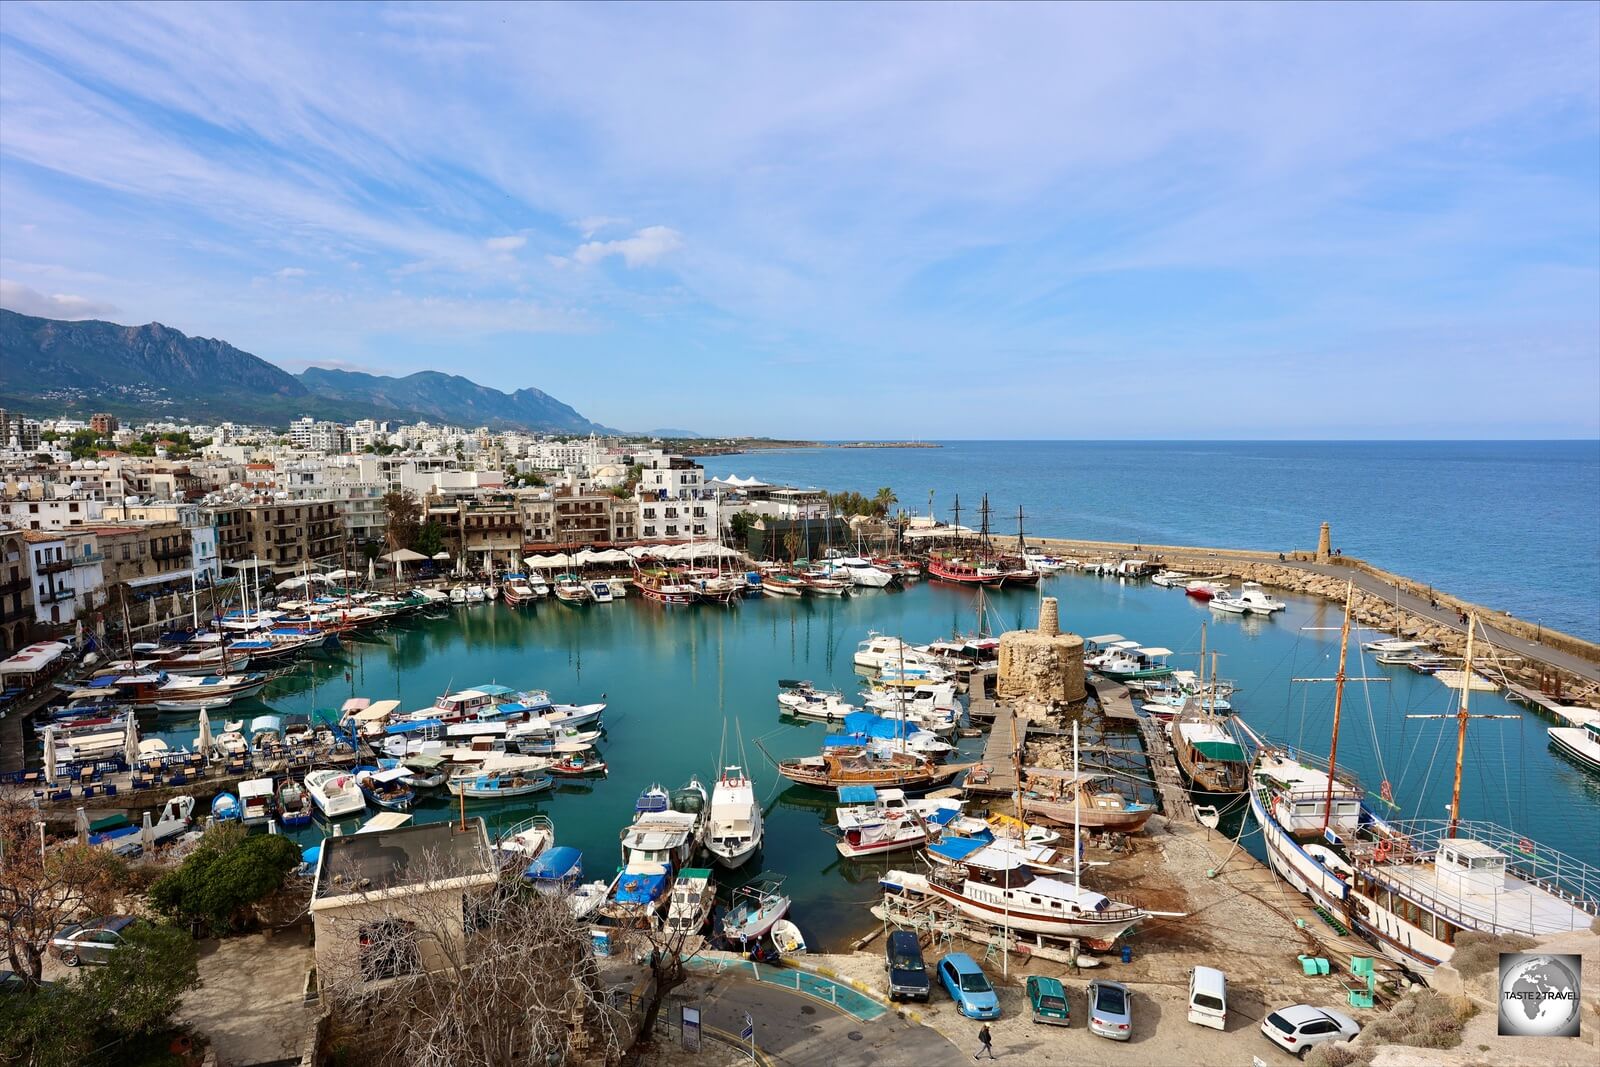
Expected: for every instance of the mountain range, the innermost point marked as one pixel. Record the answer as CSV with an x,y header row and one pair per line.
x,y
52,366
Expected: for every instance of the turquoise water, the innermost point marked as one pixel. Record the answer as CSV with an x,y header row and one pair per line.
x,y
1513,525
673,676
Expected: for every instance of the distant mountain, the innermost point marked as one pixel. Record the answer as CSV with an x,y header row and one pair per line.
x,y
448,398
50,366
670,434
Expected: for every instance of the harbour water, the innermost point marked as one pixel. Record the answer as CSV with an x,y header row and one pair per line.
x,y
672,677
1510,525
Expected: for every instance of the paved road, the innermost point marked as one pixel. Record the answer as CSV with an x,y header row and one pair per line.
x,y
797,1031
1370,583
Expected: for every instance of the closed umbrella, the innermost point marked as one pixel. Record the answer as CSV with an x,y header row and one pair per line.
x,y
147,834
130,743
203,742
80,823
50,753
372,571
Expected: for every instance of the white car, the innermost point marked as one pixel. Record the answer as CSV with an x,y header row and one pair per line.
x,y
1301,1027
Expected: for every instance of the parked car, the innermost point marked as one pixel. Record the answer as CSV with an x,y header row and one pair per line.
x,y
908,974
90,942
1110,1010
1048,1000
1300,1027
969,987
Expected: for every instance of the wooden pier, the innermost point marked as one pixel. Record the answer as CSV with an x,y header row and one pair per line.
x,y
1567,713
1114,699
1006,738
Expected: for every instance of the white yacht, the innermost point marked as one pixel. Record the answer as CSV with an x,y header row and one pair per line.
x,y
1581,742
734,831
860,571
1251,599
335,794
600,591
874,821
880,651
803,699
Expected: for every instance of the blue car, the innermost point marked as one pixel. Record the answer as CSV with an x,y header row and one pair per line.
x,y
969,987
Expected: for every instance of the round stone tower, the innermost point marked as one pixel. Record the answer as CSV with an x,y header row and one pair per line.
x,y
1042,666
1324,545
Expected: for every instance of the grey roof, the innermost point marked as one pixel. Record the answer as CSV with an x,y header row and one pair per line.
x,y
388,859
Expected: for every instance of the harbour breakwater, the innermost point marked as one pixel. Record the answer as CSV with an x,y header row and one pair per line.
x,y
1559,665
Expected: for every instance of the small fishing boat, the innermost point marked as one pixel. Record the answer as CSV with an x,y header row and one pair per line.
x,y
225,807
1251,599
294,806
756,907
1171,579
1579,743
424,772
1210,758
1125,664
1204,589
803,699
689,905
1064,797
876,821
578,765
476,594
500,784
458,596
820,583
787,939
255,801
863,766
386,788
527,841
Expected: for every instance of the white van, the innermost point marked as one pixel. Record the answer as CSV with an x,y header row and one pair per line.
x,y
1208,997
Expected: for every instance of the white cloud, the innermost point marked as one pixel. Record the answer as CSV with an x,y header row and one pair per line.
x,y
290,272
508,243
642,249
26,301
590,225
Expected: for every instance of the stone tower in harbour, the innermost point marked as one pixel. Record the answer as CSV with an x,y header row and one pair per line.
x,y
1324,545
1041,666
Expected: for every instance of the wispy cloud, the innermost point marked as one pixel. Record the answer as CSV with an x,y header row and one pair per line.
x,y
505,244
646,247
26,301
289,272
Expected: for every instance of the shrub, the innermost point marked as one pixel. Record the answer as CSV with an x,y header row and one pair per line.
x,y
1339,1054
223,877
1422,1019
1479,953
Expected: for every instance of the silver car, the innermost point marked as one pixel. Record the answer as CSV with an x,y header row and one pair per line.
x,y
1110,1010
90,942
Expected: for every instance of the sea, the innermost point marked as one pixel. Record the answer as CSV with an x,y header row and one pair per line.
x,y
691,690
1513,525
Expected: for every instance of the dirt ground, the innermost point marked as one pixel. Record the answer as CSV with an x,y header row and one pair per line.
x,y
249,1004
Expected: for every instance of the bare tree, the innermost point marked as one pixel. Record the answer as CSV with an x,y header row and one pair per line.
x,y
43,889
490,976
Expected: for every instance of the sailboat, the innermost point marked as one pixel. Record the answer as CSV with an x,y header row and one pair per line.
x,y
1410,887
1209,756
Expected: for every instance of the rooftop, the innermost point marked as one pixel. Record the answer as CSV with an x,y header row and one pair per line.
x,y
396,859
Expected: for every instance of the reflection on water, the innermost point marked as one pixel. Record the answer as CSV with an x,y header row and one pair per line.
x,y
673,676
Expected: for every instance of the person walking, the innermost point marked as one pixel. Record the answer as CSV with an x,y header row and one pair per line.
x,y
985,1042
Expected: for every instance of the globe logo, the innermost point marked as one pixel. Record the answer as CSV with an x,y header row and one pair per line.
x,y
1539,995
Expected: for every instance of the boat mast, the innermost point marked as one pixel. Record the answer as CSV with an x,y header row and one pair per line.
x,y
1077,828
1022,548
1205,704
1338,703
1461,729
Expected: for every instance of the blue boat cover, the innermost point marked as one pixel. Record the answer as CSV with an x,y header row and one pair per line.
x,y
641,888
864,722
310,856
554,864
944,816
103,682
494,690
857,794
955,847
412,726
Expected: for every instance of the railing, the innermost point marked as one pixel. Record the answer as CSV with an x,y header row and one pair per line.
x,y
54,566
1571,879
53,596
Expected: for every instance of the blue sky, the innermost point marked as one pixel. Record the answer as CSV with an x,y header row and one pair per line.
x,y
843,221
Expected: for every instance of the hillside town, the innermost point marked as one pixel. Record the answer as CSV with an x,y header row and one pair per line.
x,y
144,511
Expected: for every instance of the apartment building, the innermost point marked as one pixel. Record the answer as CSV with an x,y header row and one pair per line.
x,y
16,591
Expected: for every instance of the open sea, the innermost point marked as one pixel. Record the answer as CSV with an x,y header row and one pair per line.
x,y
679,681
1510,525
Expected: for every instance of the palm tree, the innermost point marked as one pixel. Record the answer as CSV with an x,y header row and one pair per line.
x,y
883,500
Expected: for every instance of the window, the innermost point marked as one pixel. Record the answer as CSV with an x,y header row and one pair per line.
x,y
388,948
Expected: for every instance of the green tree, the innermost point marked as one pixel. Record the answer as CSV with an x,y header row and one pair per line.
x,y
883,500
430,539
216,885
741,522
404,516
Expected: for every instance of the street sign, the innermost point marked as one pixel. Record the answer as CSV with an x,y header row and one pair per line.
x,y
690,1029
749,1031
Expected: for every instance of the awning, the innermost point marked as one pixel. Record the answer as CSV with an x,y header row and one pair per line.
x,y
381,710
1220,750
402,555
33,658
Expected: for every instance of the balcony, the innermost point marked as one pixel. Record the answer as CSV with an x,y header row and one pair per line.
x,y
53,566
15,585
55,596
87,558
21,611
162,554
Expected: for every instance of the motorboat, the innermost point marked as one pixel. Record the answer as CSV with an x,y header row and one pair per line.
x,y
424,772
690,902
255,801
875,821
476,594
177,815
1204,589
1041,563
1251,599
1170,579
527,841
517,592
536,736
756,907
783,583
558,870
578,765
1128,664
803,700
1579,743
458,596
881,651
500,784
335,794
1067,798
225,807
1003,881
600,591
570,589
661,833
859,571
733,831
619,587
294,806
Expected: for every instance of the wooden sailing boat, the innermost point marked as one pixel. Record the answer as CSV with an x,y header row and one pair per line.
x,y
1209,756
863,766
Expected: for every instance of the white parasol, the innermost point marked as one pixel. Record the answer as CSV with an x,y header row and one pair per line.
x,y
50,753
204,743
130,743
80,823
